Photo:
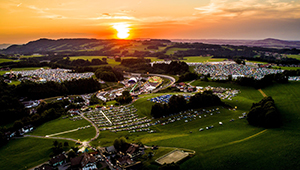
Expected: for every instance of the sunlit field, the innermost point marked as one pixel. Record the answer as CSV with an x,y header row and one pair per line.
x,y
25,153
201,59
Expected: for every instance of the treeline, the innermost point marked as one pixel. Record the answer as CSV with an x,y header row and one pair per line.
x,y
11,107
107,73
266,81
264,114
188,76
174,68
45,112
33,90
178,103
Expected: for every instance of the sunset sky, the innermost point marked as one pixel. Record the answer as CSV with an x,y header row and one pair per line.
x,y
26,20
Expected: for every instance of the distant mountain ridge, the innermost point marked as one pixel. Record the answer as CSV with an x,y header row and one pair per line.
x,y
111,46
4,46
267,43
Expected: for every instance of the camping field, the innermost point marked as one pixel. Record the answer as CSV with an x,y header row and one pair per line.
x,y
21,69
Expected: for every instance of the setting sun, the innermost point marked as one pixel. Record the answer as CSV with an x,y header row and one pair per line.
x,y
123,30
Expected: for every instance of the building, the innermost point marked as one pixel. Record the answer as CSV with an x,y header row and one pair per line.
x,y
84,162
58,160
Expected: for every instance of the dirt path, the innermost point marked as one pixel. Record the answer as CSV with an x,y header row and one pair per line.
x,y
262,93
55,134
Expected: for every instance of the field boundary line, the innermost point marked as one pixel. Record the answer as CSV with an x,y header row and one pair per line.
x,y
262,93
241,140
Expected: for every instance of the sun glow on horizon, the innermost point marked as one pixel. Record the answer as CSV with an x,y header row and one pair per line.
x,y
122,29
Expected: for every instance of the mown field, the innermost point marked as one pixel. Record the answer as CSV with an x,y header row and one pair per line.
x,y
294,56
62,125
201,59
110,61
22,154
3,60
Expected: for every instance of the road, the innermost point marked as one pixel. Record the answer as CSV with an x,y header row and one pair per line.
x,y
172,79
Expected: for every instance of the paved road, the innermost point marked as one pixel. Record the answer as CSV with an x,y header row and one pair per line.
x,y
95,126
172,79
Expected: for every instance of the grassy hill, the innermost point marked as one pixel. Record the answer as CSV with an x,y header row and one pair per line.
x,y
233,145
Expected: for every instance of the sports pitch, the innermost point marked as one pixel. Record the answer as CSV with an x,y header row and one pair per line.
x,y
173,156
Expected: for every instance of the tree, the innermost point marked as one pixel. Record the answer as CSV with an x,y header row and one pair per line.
x,y
264,114
66,144
18,125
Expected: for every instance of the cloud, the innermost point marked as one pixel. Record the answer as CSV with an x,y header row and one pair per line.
x,y
250,8
45,13
115,16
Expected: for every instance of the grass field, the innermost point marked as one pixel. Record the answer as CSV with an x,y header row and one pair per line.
x,y
294,56
61,125
3,60
201,59
287,68
25,153
173,50
110,61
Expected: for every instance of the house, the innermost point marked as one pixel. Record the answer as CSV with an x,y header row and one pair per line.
x,y
84,162
58,160
28,128
132,148
125,160
110,149
44,167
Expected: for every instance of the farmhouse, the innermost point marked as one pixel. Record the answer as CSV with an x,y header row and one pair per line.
x,y
84,162
58,160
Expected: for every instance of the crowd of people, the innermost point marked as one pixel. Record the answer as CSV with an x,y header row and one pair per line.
x,y
221,70
57,75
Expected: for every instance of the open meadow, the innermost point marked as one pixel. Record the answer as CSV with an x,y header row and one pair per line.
x,y
24,153
201,59
62,125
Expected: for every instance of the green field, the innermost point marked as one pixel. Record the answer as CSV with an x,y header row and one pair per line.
x,y
294,56
287,68
3,60
110,61
173,50
30,56
201,59
26,153
61,125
